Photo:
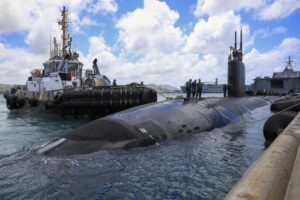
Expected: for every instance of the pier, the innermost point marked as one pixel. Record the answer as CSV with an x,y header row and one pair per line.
x,y
276,174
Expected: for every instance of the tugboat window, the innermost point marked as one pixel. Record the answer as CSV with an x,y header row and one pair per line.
x,y
74,68
276,83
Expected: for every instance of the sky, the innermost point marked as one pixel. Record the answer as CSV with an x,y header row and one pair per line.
x,y
155,41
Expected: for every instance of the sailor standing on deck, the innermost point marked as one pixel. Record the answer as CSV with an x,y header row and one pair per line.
x,y
199,88
188,87
224,90
194,88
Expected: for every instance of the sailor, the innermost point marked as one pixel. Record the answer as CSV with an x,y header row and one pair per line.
x,y
89,81
194,88
95,67
115,82
199,88
188,87
224,90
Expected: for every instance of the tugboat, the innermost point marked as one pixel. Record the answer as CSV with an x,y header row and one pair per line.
x,y
60,87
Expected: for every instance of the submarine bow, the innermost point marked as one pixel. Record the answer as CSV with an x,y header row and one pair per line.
x,y
153,124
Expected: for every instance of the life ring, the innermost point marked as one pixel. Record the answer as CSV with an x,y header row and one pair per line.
x,y
11,102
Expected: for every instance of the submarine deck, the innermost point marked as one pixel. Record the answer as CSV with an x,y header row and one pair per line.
x,y
276,174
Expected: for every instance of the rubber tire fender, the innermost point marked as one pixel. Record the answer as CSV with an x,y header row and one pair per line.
x,y
285,103
11,102
33,102
277,123
58,99
20,102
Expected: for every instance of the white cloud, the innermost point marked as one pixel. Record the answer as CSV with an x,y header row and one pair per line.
x,y
104,6
265,63
279,29
16,64
216,7
100,50
151,28
216,34
278,9
150,34
267,32
87,21
263,9
38,19
165,54
44,23
173,69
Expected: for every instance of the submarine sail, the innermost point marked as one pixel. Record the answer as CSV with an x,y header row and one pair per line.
x,y
236,70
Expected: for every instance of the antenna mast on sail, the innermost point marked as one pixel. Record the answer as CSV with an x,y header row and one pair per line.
x,y
50,45
64,27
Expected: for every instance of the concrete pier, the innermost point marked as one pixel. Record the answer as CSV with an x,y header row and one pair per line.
x,y
276,174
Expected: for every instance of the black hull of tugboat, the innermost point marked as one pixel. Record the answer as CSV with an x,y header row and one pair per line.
x,y
96,102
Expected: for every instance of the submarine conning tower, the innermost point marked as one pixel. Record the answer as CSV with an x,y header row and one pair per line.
x,y
236,70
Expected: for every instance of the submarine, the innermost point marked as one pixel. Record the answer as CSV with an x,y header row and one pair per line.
x,y
158,122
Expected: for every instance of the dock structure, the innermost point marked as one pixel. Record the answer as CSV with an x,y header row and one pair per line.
x,y
276,174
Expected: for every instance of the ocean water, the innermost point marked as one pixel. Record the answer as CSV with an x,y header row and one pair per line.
x,y
202,166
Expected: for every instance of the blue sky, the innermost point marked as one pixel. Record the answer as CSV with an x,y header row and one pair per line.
x,y
163,42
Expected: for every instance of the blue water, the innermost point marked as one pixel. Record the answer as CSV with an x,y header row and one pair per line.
x,y
202,166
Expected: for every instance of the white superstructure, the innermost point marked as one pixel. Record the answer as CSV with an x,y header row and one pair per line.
x,y
63,70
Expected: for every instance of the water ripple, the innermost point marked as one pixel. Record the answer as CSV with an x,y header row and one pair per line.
x,y
201,166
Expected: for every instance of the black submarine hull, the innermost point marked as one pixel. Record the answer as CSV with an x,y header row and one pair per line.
x,y
153,124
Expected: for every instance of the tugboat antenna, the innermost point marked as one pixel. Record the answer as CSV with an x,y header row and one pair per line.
x,y
64,27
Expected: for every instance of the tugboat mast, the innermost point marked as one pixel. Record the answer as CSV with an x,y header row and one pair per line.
x,y
64,27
